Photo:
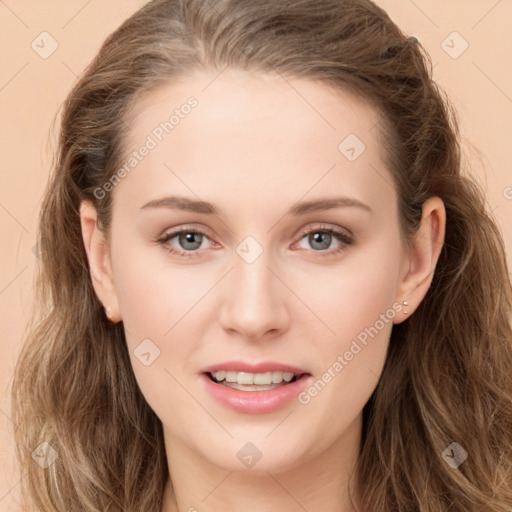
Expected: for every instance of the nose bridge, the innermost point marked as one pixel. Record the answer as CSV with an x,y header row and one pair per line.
x,y
255,302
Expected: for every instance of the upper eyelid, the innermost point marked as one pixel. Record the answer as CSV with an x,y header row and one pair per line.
x,y
324,227
169,234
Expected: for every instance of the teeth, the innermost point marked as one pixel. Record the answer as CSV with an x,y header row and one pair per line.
x,y
287,376
230,376
246,378
221,375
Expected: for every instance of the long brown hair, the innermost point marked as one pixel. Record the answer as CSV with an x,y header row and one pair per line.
x,y
447,377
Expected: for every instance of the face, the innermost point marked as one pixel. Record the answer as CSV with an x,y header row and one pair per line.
x,y
257,236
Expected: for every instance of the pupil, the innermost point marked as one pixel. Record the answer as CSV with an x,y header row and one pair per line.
x,y
319,238
189,238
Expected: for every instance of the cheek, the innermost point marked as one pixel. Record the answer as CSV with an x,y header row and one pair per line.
x,y
356,309
163,313
159,334
155,294
351,297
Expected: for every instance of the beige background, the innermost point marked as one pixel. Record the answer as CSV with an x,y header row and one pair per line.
x,y
31,89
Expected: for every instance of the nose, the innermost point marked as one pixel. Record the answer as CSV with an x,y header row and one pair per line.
x,y
254,305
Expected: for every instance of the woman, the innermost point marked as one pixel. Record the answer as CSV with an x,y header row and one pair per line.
x,y
266,283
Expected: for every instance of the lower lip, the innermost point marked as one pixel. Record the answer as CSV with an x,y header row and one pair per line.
x,y
255,402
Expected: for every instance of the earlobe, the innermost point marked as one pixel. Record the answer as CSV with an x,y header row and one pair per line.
x,y
424,249
98,257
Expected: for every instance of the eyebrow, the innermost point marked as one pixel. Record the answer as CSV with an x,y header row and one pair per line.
x,y
300,208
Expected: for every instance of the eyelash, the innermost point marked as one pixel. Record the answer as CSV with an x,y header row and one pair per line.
x,y
338,234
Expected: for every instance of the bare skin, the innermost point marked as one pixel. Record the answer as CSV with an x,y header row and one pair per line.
x,y
254,148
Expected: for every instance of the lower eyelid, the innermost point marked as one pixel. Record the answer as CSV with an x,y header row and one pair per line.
x,y
167,238
164,240
343,242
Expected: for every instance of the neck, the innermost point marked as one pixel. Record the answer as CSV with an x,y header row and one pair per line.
x,y
319,484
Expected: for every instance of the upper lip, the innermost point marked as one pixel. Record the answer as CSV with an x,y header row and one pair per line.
x,y
263,367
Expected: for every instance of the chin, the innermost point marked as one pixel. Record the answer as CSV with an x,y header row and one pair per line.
x,y
258,457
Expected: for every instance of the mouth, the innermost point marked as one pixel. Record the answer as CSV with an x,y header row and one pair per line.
x,y
247,381
254,388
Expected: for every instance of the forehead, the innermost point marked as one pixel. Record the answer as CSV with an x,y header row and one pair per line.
x,y
254,134
232,98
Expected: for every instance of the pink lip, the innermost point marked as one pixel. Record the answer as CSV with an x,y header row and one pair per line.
x,y
263,367
255,402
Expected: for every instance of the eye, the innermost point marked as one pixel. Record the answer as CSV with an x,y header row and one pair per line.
x,y
187,244
322,238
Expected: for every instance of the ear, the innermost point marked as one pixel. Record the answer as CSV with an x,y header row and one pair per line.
x,y
423,253
98,256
